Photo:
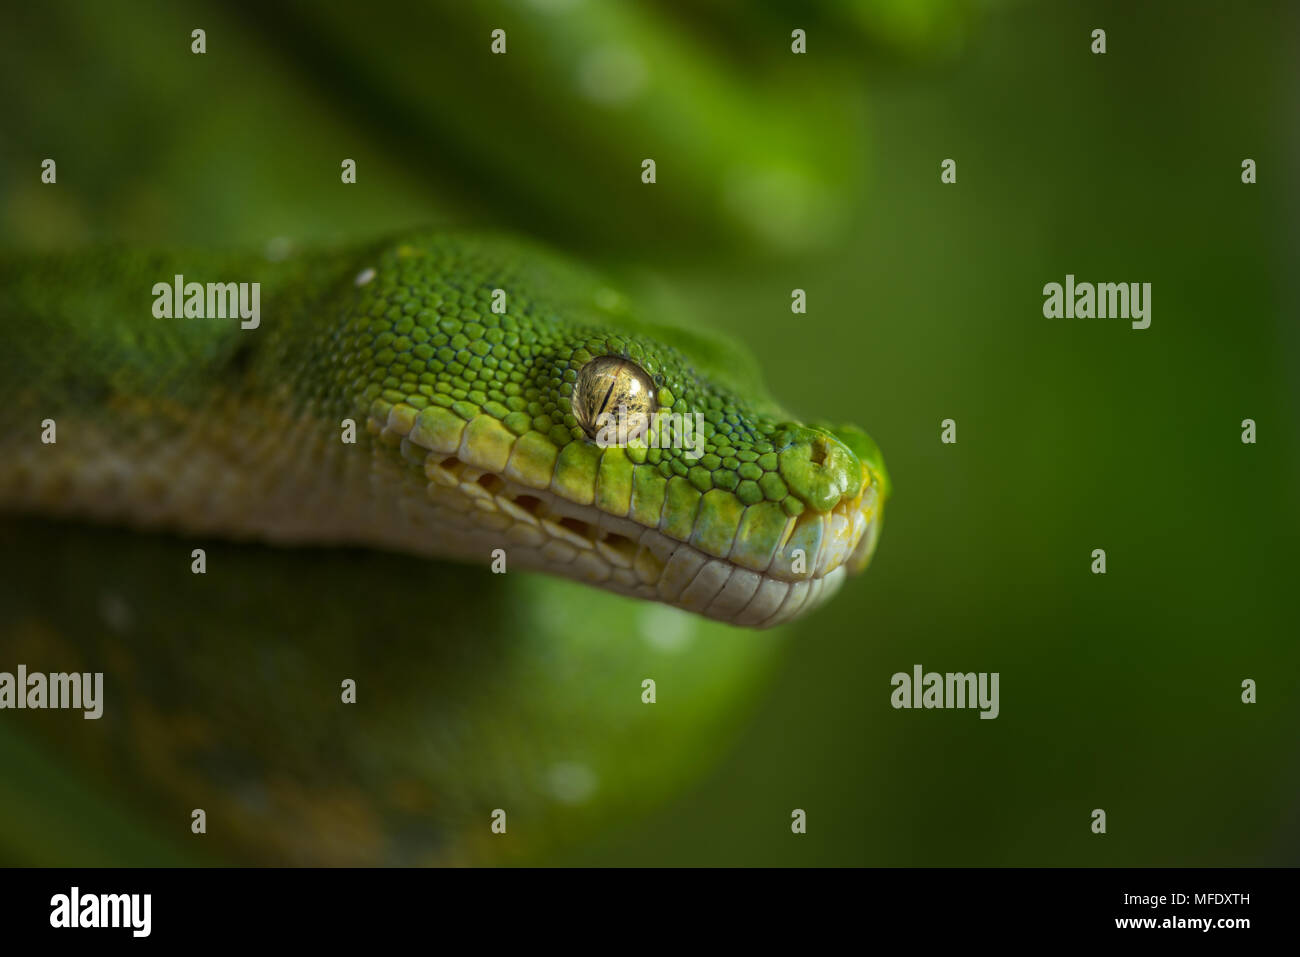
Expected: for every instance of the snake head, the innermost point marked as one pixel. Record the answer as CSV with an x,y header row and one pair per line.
x,y
492,370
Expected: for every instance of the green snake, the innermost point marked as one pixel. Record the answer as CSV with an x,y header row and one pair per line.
x,y
383,401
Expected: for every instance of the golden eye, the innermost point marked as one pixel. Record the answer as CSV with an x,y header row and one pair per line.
x,y
610,385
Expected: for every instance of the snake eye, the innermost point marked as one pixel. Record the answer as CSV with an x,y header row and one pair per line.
x,y
613,386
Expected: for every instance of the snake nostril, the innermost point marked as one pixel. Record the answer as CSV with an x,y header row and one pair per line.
x,y
817,454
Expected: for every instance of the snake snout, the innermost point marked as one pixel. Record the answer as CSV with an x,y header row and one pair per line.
x,y
839,472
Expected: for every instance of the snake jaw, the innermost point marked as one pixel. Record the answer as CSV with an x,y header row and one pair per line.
x,y
478,510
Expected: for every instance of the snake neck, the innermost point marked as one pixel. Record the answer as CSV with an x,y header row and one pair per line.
x,y
197,424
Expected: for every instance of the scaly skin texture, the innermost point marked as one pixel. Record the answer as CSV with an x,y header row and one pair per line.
x,y
476,692
466,438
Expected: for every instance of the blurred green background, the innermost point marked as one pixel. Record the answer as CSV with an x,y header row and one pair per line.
x,y
821,172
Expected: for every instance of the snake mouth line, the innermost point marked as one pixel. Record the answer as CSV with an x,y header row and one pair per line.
x,y
546,532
